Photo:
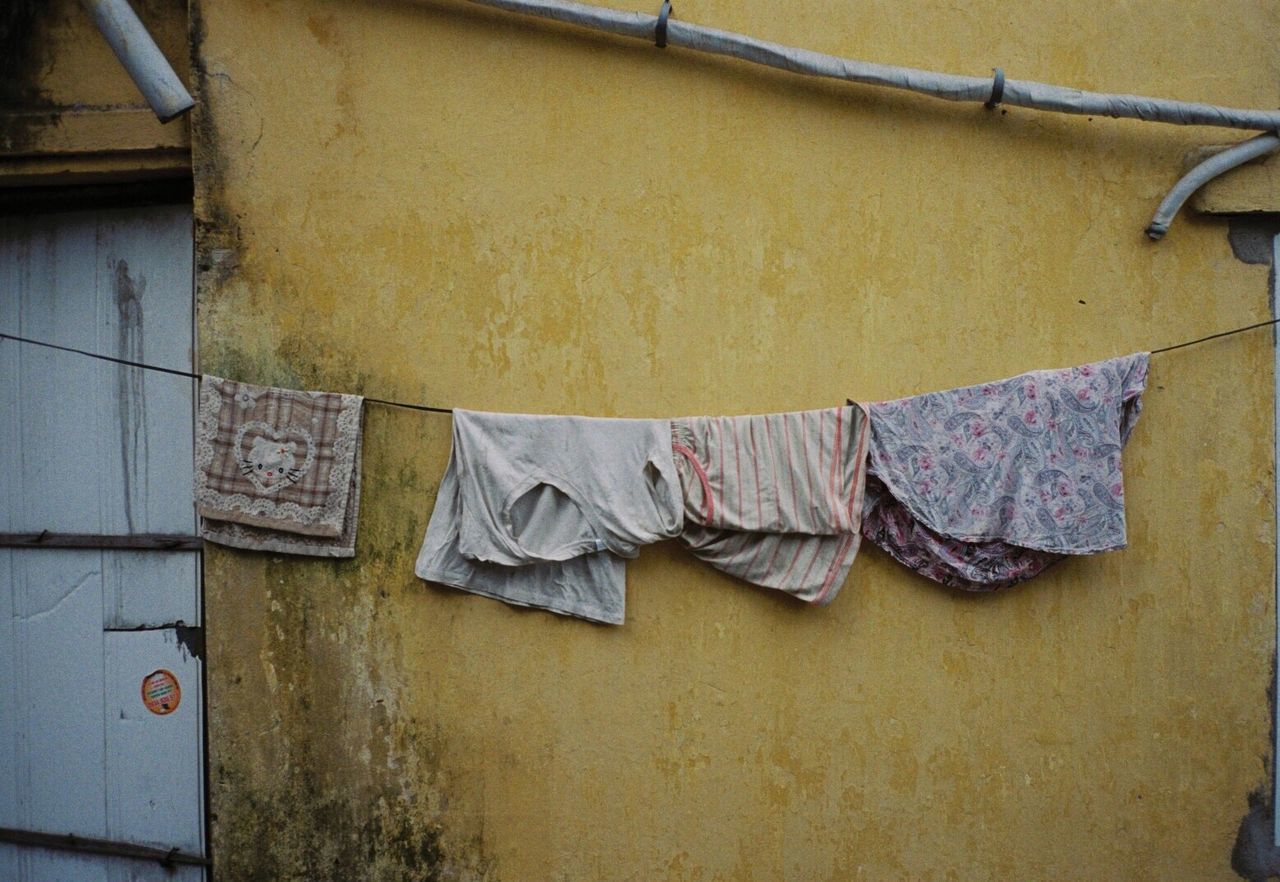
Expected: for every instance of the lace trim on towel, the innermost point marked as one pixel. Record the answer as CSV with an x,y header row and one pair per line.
x,y
326,518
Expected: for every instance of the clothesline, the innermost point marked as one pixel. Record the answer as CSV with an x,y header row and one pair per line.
x,y
430,409
578,496
190,374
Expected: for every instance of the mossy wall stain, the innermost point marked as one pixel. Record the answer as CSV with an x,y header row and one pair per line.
x,y
310,737
23,50
54,64
427,202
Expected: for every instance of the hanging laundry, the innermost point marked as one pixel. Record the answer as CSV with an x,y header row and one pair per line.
x,y
976,566
985,486
776,499
591,586
278,470
540,510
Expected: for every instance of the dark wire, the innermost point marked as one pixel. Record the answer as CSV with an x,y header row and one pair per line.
x,y
1216,336
137,364
423,407
177,373
429,409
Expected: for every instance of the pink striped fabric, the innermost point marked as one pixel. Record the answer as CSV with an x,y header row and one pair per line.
x,y
775,500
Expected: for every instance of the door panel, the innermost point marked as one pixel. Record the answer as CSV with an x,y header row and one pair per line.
x,y
102,448
91,447
34,865
56,781
147,754
146,589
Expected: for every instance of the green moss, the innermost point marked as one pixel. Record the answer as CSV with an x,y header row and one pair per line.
x,y
306,831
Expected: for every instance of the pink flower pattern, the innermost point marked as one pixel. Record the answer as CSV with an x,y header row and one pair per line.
x,y
1020,472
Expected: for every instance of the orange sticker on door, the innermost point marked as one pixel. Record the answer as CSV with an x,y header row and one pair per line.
x,y
161,692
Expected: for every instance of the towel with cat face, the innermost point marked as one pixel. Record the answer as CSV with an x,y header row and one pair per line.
x,y
278,469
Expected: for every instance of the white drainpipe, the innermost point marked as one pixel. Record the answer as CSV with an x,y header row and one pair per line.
x,y
950,87
141,57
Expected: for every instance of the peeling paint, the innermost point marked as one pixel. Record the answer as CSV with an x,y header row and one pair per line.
x,y
1251,237
1255,856
191,640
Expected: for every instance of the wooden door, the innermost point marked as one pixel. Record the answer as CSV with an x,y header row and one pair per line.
x,y
101,693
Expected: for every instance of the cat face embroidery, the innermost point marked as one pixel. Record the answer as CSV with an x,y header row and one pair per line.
x,y
269,457
273,462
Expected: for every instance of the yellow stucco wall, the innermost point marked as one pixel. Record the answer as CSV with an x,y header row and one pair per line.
x,y
430,202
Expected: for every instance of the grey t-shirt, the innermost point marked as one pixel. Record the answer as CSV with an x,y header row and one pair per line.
x,y
540,510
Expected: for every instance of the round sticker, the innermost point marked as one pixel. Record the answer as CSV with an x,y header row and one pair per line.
x,y
161,692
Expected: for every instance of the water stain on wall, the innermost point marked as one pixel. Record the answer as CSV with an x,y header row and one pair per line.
x,y
128,292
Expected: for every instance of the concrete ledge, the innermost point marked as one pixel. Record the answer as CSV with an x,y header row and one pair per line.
x,y
90,145
76,170
84,130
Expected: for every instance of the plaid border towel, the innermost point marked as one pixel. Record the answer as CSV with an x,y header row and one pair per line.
x,y
277,469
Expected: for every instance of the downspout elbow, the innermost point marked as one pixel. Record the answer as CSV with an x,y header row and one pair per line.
x,y
1218,164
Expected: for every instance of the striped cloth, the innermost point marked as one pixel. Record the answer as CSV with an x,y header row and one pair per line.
x,y
775,500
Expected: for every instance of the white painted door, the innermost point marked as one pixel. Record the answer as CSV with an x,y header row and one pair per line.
x,y
101,694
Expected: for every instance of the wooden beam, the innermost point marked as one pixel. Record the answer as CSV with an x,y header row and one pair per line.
x,y
66,842
135,542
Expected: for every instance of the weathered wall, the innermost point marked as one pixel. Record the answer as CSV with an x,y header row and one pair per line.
x,y
69,113
429,202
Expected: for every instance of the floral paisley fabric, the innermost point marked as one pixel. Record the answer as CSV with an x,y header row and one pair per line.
x,y
972,566
985,486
